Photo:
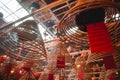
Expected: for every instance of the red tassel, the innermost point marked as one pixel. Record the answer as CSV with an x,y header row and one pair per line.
x,y
100,41
109,62
60,62
51,77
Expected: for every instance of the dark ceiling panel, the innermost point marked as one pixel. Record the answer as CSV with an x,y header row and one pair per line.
x,y
61,10
58,6
49,1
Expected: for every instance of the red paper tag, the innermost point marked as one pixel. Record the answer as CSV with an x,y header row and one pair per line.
x,y
109,62
51,77
80,73
99,38
111,78
60,62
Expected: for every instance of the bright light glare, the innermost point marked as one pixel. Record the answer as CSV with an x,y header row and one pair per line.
x,y
12,71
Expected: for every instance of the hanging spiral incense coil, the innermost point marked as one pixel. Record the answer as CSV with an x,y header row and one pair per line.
x,y
24,41
70,32
56,52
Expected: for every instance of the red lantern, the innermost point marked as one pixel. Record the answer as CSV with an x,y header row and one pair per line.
x,y
60,61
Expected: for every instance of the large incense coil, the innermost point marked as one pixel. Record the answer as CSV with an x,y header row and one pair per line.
x,y
23,40
56,48
69,32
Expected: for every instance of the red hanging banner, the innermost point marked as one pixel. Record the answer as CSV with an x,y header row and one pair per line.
x,y
50,77
99,38
109,62
60,61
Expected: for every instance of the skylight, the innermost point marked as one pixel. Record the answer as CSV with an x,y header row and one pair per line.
x,y
12,10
